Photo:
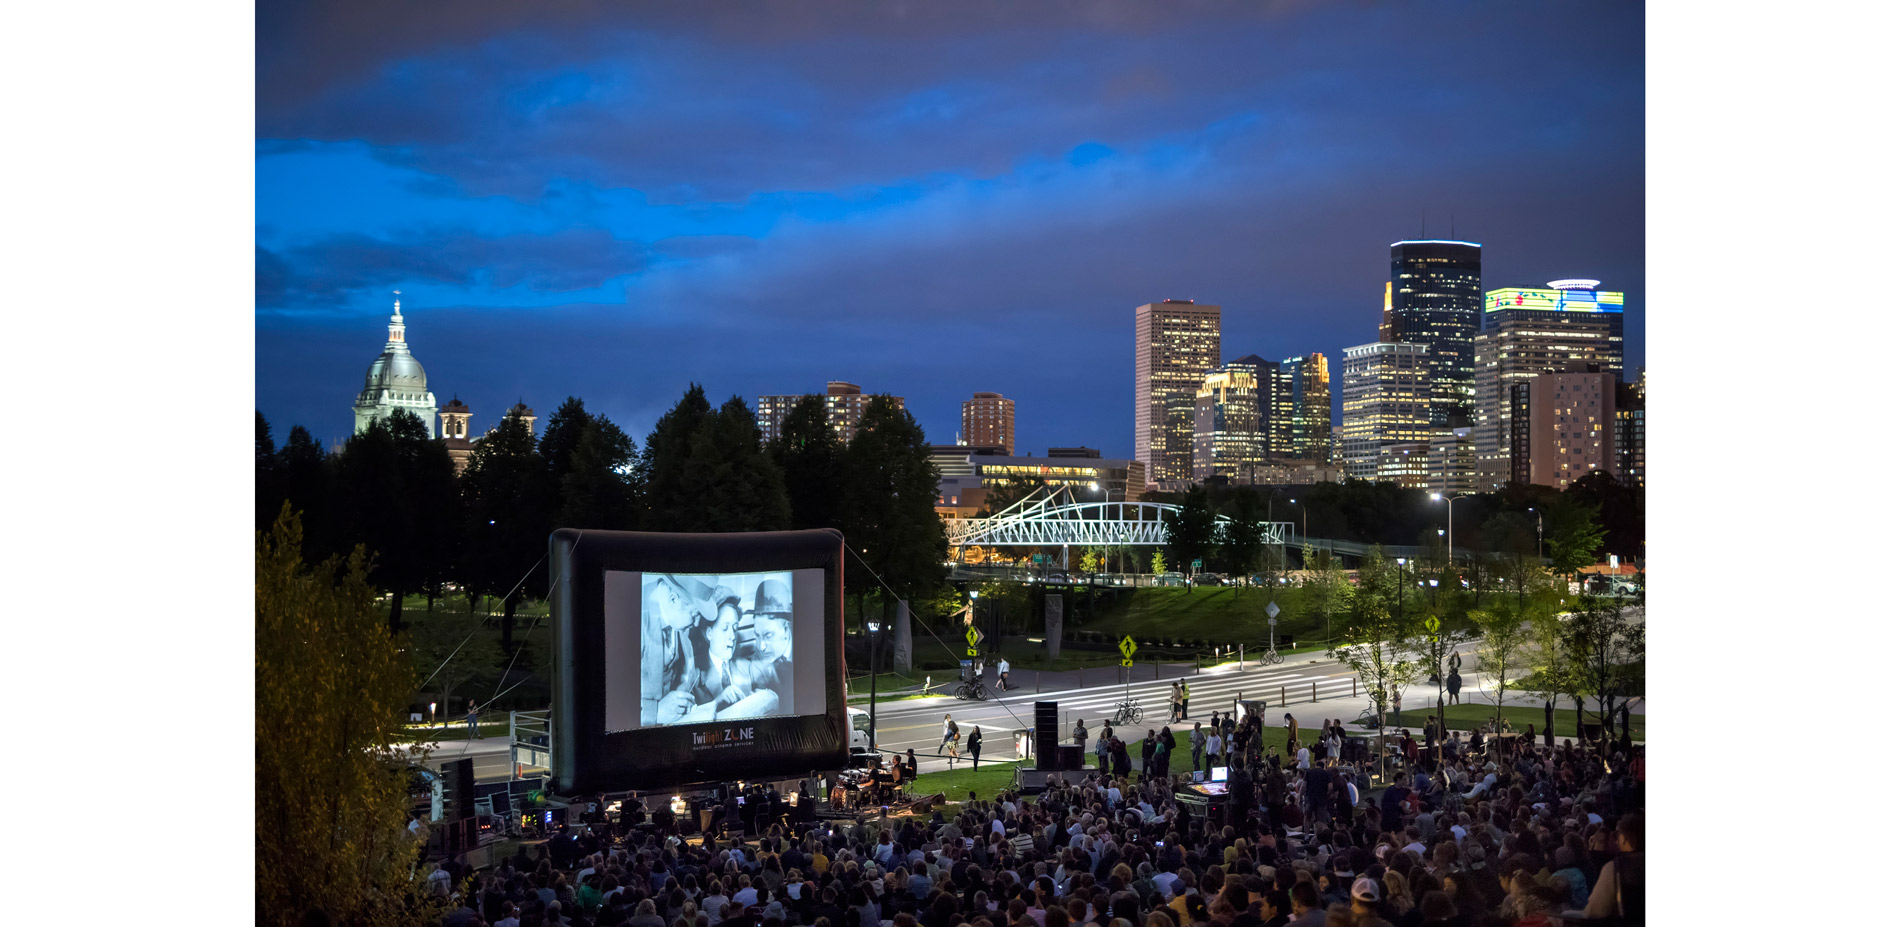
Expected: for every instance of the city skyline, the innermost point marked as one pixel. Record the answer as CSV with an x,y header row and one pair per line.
x,y
971,201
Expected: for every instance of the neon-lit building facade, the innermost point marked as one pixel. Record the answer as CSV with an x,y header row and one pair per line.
x,y
1528,331
1437,294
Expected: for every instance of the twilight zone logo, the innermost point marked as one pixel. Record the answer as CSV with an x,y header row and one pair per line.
x,y
722,738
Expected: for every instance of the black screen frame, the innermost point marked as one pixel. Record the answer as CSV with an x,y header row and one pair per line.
x,y
587,759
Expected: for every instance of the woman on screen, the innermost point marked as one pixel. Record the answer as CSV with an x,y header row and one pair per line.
x,y
725,686
668,675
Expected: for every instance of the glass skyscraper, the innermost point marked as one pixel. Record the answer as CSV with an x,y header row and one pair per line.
x,y
1437,296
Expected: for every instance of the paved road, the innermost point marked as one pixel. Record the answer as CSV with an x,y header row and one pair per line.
x,y
917,724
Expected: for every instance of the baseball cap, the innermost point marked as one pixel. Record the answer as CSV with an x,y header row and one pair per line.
x,y
1365,890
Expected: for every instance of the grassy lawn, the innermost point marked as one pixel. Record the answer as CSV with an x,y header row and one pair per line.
x,y
957,784
1469,717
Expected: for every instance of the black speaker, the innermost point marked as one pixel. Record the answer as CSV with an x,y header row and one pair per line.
x,y
1047,736
458,789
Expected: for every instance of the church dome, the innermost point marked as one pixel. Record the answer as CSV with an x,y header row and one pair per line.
x,y
396,370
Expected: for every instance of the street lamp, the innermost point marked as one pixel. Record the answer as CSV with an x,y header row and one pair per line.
x,y
1540,534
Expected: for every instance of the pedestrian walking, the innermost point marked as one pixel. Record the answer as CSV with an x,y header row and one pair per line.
x,y
1002,673
1174,701
950,738
976,746
474,713
1184,701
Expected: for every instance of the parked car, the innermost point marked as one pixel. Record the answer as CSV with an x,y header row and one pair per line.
x,y
1209,579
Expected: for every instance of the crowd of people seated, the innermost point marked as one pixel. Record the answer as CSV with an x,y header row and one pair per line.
x,y
1508,834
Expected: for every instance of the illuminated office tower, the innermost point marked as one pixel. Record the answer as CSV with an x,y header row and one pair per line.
x,y
1227,439
1176,342
989,420
1629,433
1526,332
1388,401
1437,292
1308,407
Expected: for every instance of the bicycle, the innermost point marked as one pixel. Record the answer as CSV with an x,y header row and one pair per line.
x,y
1368,719
1127,712
1272,658
971,690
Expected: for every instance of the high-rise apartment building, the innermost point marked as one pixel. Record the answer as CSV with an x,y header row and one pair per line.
x,y
1309,407
1629,433
989,420
1572,417
1227,439
1526,332
1437,293
1270,387
1176,342
1388,401
844,406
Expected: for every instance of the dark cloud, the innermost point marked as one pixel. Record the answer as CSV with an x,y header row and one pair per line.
x,y
329,272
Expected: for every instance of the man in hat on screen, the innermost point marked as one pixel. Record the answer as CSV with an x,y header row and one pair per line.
x,y
767,662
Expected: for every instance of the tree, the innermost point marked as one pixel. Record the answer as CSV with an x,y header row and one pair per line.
x,y
1603,647
507,501
453,656
664,463
595,486
1191,530
890,507
1501,636
1092,560
1382,650
1242,539
1572,535
731,482
397,497
1511,540
309,481
330,779
270,488
806,452
1158,564
1550,672
1327,590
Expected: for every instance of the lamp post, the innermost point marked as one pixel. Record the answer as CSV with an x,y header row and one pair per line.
x,y
1540,534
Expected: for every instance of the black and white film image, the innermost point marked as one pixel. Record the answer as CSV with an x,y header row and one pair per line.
x,y
715,647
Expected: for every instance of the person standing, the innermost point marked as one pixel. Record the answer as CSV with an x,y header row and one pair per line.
x,y
1184,701
1197,742
976,746
1214,746
1081,733
474,713
1002,674
1147,752
1174,701
1292,734
1101,746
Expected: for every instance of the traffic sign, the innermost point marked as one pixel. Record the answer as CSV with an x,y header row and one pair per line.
x,y
970,652
1273,611
1431,624
1128,649
973,636
1197,564
1126,662
1273,622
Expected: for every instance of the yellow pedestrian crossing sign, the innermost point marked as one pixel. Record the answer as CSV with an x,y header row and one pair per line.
x,y
1128,649
1431,624
973,636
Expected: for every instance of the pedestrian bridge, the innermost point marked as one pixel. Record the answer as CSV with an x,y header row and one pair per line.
x,y
1047,523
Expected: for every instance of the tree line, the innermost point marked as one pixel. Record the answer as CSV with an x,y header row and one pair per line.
x,y
394,491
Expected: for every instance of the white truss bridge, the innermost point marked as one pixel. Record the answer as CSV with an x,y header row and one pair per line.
x,y
1052,523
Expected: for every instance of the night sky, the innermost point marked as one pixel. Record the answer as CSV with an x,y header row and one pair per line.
x,y
612,200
